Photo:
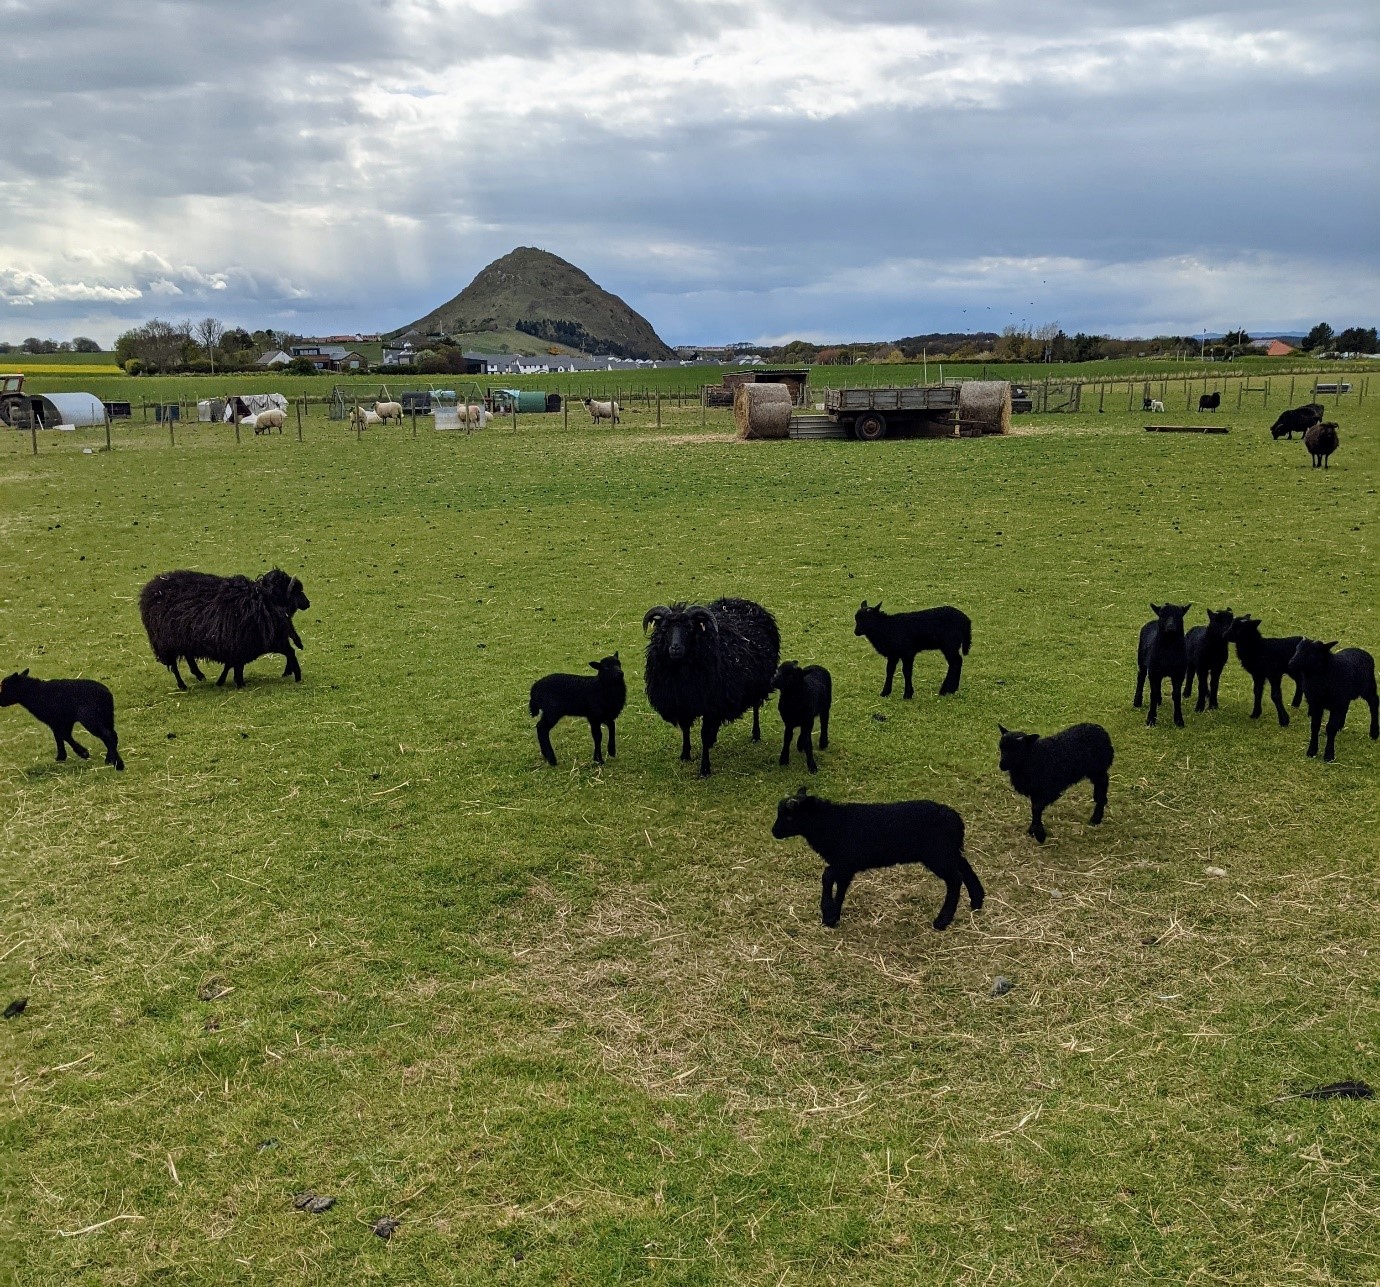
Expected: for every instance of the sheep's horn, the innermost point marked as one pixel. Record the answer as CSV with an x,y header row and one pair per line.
x,y
655,614
703,614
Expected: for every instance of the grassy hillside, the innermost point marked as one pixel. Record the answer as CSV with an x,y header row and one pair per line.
x,y
583,1025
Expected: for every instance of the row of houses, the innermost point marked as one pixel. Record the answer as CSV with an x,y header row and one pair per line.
x,y
532,364
323,356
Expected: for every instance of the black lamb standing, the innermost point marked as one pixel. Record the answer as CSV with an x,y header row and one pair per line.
x,y
711,663
1331,682
1296,420
860,837
898,636
807,693
1043,768
1205,650
1161,655
229,620
598,698
1266,660
61,703
1321,441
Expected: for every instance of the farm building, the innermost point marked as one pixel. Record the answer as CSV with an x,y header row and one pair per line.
x,y
1278,348
329,357
48,410
276,358
238,406
794,380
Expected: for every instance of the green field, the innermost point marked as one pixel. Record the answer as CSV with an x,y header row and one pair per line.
x,y
583,1025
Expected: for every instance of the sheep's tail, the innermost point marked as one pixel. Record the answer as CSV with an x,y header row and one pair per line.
x,y
967,636
533,706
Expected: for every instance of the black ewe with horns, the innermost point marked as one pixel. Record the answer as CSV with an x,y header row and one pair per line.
x,y
712,663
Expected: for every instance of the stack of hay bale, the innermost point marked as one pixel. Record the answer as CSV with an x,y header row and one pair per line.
x,y
762,410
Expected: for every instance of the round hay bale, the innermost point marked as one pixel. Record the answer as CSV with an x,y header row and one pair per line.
x,y
984,406
762,410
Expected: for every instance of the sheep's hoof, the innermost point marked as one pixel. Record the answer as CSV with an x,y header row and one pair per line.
x,y
1329,756
941,924
814,768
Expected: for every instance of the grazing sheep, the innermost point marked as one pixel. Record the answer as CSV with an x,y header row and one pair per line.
x,y
1161,655
1266,659
711,663
1209,401
387,411
599,698
806,695
1331,682
1205,648
1151,404
61,703
1321,441
472,415
267,420
602,410
362,417
1043,768
1296,420
230,620
860,837
899,636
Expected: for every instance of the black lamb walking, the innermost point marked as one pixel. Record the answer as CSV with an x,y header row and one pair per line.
x,y
598,698
860,837
1266,660
1205,649
62,703
1331,682
899,636
710,663
230,620
806,695
1043,768
1160,656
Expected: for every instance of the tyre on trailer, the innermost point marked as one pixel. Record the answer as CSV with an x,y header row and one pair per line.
x,y
870,427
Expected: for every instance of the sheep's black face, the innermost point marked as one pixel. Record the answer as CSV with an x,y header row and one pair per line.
x,y
1311,656
9,686
608,667
785,674
1014,747
1219,623
790,815
1171,617
1243,628
864,617
298,597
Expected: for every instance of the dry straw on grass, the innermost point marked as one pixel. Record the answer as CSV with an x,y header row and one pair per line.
x,y
984,406
762,410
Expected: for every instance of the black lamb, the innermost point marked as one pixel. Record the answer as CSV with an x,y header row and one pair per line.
x,y
599,698
61,703
1296,420
710,663
859,837
1266,660
1043,768
230,620
1205,648
806,695
1161,655
1209,401
1331,682
899,636
1321,441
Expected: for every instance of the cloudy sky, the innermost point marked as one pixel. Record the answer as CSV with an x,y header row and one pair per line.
x,y
822,169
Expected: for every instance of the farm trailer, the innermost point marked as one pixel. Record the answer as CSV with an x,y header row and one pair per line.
x,y
872,414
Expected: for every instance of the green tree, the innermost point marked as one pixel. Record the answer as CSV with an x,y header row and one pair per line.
x,y
1320,337
1357,339
82,344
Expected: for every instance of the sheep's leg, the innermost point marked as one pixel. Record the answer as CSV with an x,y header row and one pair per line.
x,y
1099,786
177,674
60,740
613,746
224,674
685,741
597,731
1259,681
808,748
1203,690
907,666
1153,716
1188,685
1335,723
1139,700
952,887
835,886
1037,826
544,727
1298,692
82,752
1216,676
1277,697
786,748
1315,715
950,684
239,676
194,668
976,893
1176,684
1373,701
107,734
756,724
709,735
891,663
292,668
824,730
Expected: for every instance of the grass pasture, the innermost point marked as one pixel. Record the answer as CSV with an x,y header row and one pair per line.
x,y
583,1025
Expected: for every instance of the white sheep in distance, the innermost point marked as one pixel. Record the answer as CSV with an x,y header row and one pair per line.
x,y
266,420
389,411
602,410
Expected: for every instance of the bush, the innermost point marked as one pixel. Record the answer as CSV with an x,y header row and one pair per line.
x,y
301,366
134,367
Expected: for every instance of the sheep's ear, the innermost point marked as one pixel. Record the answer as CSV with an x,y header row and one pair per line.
x,y
803,793
1328,646
594,665
1004,730
615,654
1187,607
1156,609
23,672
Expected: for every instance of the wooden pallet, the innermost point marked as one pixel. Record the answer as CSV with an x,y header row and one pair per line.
x,y
1187,428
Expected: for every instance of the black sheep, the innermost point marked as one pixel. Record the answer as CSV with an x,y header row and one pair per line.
x,y
806,695
599,698
61,703
230,620
1296,420
1266,660
710,663
1321,441
1043,768
860,837
1209,401
1161,655
1205,648
899,636
1331,682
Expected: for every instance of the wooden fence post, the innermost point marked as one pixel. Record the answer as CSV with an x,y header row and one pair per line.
x,y
107,428
658,407
414,419
565,412
704,405
299,417
33,431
